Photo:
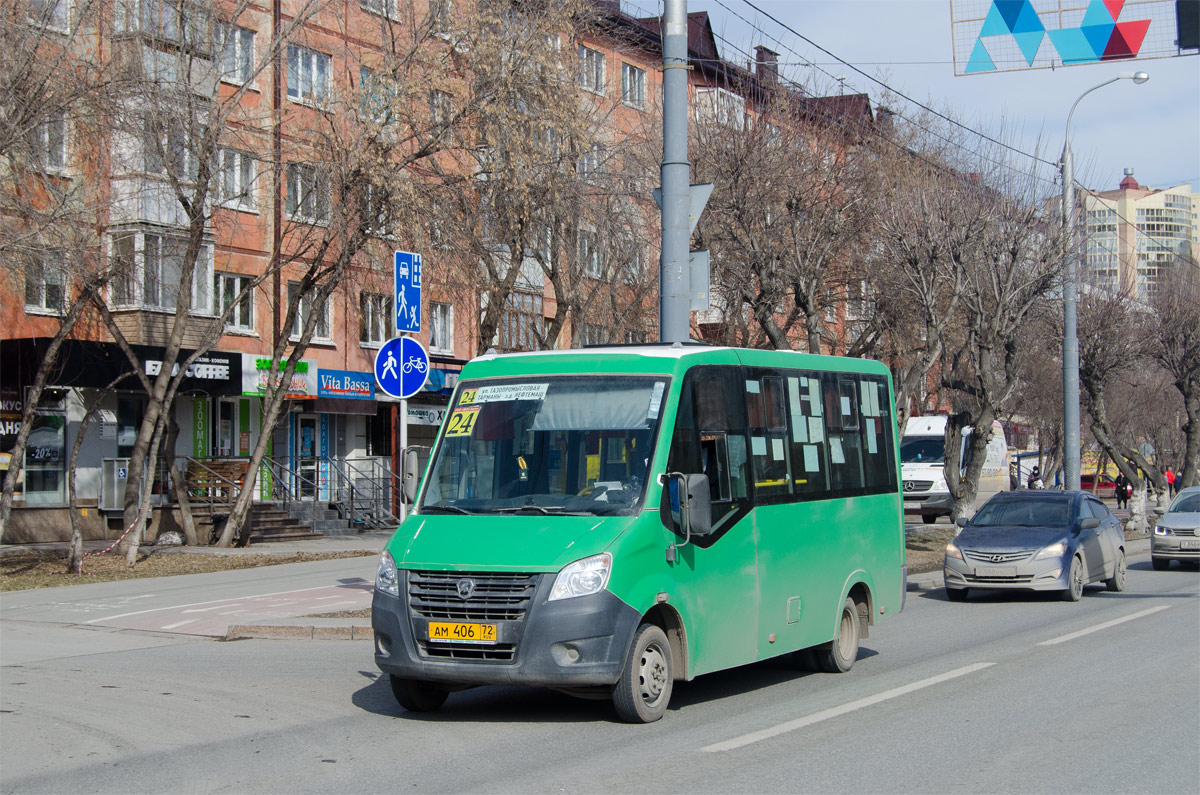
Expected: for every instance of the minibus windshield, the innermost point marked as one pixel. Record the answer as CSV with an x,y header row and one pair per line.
x,y
546,445
922,450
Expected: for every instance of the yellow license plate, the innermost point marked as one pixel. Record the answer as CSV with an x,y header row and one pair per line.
x,y
454,632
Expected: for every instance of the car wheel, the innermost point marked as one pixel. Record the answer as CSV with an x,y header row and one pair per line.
x,y
1074,588
644,689
929,518
417,696
956,594
839,654
1117,581
1160,564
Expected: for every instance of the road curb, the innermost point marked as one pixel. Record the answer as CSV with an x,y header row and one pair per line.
x,y
298,632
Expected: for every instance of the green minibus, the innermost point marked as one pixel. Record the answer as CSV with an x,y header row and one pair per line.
x,y
610,520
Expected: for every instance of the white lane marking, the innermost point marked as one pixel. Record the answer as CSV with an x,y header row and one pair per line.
x,y
178,624
209,602
833,712
206,609
1098,627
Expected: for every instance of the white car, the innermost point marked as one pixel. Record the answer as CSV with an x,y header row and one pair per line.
x,y
1177,532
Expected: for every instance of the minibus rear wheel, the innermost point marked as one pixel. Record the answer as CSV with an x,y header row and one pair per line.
x,y
644,689
417,696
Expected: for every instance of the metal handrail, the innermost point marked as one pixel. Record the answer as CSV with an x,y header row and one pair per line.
x,y
389,492
291,497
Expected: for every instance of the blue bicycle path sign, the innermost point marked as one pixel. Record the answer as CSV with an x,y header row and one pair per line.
x,y
401,367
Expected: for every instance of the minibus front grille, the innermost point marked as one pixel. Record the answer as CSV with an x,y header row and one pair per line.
x,y
470,596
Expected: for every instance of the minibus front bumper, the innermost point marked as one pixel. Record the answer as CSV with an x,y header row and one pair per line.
x,y
573,642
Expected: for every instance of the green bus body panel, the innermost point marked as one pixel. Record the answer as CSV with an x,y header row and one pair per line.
x,y
730,597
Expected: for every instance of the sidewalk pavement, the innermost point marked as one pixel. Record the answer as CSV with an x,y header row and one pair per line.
x,y
372,541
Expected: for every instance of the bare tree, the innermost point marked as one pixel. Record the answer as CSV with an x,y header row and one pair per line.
x,y
1173,341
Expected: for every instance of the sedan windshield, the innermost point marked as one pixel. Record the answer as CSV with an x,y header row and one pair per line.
x,y
1188,503
1041,512
546,445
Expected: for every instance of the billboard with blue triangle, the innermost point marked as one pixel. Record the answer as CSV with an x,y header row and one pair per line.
x,y
1008,35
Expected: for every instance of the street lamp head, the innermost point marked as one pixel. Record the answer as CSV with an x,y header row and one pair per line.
x,y
1137,77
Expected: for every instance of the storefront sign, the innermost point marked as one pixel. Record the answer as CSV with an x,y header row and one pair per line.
x,y
256,369
345,384
201,421
425,415
210,367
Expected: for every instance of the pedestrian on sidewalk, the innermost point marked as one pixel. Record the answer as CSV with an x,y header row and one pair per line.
x,y
1121,490
1169,474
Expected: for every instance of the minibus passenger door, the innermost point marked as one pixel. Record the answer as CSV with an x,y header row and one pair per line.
x,y
713,578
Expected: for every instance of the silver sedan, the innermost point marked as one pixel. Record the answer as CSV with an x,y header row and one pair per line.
x,y
1177,531
1037,541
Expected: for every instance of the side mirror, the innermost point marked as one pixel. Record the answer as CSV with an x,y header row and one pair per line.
x,y
1089,523
962,521
410,475
686,504
1159,510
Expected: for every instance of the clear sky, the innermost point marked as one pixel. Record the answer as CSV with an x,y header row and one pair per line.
x,y
1153,128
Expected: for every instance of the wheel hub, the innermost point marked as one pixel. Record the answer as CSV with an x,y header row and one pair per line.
x,y
654,674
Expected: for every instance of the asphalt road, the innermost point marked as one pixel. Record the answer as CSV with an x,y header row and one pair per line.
x,y
1005,693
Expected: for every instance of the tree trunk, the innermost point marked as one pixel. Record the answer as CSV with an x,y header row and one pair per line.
x,y
179,487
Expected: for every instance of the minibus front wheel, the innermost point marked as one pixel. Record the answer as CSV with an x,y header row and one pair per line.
x,y
417,696
644,689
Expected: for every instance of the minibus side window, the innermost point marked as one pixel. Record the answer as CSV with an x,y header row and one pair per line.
x,y
810,453
845,459
879,463
766,409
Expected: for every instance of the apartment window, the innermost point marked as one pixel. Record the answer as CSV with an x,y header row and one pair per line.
x,y
591,70
378,212
307,193
635,267
592,334
308,75
375,318
633,85
166,146
231,299
321,317
589,254
441,328
376,96
439,15
441,113
48,142
52,14
721,106
148,269
236,170
45,283
385,8
590,160
521,325
235,48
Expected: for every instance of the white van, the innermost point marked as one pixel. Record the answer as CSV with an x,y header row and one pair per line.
x,y
922,460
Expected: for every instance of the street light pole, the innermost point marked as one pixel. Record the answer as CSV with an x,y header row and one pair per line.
x,y
1071,445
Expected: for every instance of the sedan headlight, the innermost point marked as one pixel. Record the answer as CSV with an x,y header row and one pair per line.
x,y
1159,530
582,577
387,579
1053,551
953,552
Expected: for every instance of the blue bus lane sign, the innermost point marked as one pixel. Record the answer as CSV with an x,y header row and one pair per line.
x,y
401,367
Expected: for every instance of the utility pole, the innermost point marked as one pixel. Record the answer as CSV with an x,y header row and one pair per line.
x,y
674,279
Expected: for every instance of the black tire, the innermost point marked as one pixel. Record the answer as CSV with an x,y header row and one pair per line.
x,y
837,656
644,689
417,696
929,518
1160,564
1117,581
956,594
1074,589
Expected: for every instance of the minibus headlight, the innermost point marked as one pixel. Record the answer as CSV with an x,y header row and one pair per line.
x,y
387,579
582,577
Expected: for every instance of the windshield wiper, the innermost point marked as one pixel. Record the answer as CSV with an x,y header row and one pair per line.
x,y
446,508
542,510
